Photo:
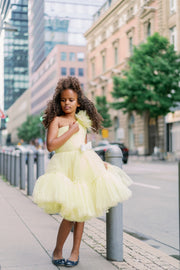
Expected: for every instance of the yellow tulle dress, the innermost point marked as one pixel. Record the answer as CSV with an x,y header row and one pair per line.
x,y
76,183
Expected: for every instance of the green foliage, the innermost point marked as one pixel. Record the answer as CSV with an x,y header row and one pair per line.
x,y
31,129
151,83
103,108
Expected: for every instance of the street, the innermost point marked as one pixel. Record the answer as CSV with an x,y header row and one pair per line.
x,y
152,212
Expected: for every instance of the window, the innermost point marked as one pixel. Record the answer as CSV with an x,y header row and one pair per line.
x,y
172,6
82,86
72,71
148,29
173,36
130,45
130,34
103,88
115,25
72,56
103,63
63,56
80,56
80,72
115,55
63,71
103,36
93,70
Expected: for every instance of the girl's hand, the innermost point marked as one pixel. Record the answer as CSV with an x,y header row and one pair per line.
x,y
74,127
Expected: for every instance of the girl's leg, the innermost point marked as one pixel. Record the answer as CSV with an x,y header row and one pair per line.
x,y
64,230
78,231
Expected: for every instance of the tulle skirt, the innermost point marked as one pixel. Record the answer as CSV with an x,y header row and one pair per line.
x,y
78,186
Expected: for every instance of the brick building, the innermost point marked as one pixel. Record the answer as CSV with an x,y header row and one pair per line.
x,y
117,26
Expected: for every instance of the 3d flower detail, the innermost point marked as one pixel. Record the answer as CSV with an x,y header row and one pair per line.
x,y
83,119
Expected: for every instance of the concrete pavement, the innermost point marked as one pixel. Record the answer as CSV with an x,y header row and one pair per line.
x,y
28,235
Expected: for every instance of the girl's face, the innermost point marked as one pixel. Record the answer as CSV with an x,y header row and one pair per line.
x,y
69,101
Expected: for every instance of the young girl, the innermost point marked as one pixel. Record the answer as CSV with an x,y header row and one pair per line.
x,y
77,183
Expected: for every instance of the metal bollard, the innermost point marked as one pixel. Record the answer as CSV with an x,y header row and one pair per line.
x,y
4,163
12,168
1,162
6,170
9,166
30,173
17,169
40,163
114,218
23,157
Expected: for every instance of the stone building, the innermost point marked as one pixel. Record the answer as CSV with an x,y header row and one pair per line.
x,y
117,26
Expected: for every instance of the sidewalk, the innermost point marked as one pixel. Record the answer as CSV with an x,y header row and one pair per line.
x,y
28,235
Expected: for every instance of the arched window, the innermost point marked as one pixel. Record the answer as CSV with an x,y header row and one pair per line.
x,y
149,29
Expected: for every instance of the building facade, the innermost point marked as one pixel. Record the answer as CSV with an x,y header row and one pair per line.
x,y
4,8
117,26
62,61
15,53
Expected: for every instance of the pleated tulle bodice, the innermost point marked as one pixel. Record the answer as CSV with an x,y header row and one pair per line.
x,y
75,142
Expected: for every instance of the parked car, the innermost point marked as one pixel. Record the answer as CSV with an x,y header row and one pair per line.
x,y
104,145
124,149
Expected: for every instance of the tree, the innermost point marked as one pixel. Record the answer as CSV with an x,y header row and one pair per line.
x,y
103,108
150,84
31,129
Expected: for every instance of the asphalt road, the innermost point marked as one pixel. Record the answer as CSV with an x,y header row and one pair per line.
x,y
152,213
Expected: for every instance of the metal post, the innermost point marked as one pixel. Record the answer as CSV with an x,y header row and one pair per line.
x,y
1,162
30,173
23,159
9,166
6,167
16,169
40,163
114,218
4,161
12,167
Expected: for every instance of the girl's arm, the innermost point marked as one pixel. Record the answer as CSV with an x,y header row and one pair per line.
x,y
54,142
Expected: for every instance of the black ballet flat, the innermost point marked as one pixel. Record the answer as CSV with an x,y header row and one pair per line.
x,y
59,262
71,263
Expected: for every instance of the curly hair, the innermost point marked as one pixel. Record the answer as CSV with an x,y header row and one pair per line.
x,y
54,107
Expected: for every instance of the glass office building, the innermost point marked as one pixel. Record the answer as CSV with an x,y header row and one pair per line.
x,y
4,7
16,52
54,22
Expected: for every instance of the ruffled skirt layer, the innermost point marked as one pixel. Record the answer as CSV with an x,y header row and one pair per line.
x,y
78,186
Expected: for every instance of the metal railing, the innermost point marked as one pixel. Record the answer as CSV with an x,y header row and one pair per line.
x,y
18,168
